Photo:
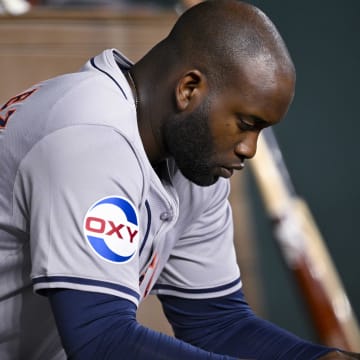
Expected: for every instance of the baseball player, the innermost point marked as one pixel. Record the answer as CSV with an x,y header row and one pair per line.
x,y
114,185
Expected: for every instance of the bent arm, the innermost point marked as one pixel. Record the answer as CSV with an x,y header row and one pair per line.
x,y
227,325
101,326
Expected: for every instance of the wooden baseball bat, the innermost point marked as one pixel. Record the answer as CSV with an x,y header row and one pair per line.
x,y
304,249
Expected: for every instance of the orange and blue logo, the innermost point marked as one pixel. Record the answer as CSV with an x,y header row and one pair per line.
x,y
111,228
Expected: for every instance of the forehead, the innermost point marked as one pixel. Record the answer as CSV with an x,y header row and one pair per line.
x,y
262,88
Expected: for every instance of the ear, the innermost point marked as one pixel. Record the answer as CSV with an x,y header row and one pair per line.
x,y
190,89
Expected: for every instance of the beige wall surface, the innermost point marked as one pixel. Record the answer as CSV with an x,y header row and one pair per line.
x,y
45,43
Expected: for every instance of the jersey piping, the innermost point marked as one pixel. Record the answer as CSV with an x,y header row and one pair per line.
x,y
197,291
92,62
148,211
91,282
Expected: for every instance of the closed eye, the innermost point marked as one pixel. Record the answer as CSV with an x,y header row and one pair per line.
x,y
251,123
246,125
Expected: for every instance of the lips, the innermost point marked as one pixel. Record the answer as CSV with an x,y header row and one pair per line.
x,y
238,166
227,171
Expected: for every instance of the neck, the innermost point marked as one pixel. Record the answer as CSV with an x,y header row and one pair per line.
x,y
151,140
132,85
148,118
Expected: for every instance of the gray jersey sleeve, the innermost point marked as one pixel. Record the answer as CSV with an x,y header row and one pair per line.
x,y
203,262
83,186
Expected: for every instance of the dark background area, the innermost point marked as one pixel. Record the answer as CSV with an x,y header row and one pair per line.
x,y
319,140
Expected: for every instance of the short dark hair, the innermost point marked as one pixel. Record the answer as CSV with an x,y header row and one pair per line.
x,y
216,35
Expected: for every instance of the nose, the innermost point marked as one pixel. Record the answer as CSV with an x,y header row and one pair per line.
x,y
246,148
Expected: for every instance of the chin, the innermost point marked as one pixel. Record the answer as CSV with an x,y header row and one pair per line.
x,y
202,180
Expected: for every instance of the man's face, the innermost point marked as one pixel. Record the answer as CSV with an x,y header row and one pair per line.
x,y
216,138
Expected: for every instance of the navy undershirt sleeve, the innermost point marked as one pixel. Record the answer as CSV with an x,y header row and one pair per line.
x,y
228,325
101,326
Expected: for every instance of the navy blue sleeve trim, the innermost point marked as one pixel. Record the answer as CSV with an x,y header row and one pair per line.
x,y
197,291
100,326
92,61
82,281
227,325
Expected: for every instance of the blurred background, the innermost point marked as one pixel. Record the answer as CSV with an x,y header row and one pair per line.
x,y
319,138
320,143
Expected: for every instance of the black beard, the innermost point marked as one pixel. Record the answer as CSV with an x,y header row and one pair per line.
x,y
188,140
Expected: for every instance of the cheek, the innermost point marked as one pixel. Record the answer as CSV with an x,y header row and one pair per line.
x,y
226,135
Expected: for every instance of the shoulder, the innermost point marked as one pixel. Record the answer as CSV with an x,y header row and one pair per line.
x,y
96,95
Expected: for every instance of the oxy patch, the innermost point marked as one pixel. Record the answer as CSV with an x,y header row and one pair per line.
x,y
111,229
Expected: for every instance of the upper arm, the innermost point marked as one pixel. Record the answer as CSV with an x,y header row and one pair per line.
x,y
64,177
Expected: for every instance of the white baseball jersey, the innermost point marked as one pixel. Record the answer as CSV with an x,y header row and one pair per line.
x,y
82,208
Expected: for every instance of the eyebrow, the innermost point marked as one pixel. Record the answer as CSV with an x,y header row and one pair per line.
x,y
259,121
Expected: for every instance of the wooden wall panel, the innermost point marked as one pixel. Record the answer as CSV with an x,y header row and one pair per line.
x,y
42,44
